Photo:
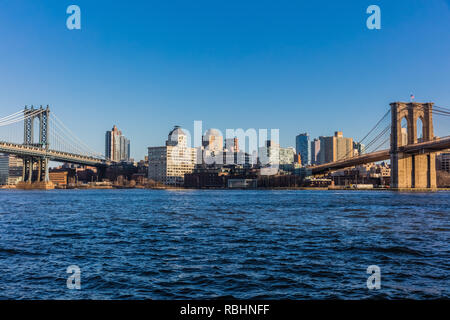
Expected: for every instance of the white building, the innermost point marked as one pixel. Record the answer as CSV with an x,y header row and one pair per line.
x,y
169,164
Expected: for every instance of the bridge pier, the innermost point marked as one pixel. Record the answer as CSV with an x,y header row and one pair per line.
x,y
29,169
46,175
411,171
39,167
40,180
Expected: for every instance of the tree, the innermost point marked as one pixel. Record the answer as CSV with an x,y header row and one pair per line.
x,y
442,179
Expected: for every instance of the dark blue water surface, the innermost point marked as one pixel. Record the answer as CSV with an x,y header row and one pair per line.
x,y
159,244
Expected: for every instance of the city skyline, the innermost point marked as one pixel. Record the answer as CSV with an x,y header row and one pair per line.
x,y
147,68
233,158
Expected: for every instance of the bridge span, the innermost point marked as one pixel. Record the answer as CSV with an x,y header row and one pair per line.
x,y
417,148
52,155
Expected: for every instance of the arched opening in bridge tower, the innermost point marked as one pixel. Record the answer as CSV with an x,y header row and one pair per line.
x,y
419,127
404,132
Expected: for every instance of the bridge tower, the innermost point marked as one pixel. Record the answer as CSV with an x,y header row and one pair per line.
x,y
28,139
411,170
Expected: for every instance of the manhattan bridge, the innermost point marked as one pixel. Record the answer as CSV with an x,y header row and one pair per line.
x,y
38,136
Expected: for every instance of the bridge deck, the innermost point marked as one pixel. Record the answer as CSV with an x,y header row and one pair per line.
x,y
422,147
32,151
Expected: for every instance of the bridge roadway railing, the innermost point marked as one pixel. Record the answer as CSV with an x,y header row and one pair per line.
x,y
24,150
427,146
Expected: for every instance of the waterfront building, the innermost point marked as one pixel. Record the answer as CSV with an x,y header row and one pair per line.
x,y
11,169
117,146
443,162
217,176
335,148
168,164
372,174
302,146
59,177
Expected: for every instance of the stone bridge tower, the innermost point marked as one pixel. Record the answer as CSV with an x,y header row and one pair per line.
x,y
411,170
39,163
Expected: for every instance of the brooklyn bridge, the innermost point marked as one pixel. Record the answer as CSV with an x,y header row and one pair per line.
x,y
411,149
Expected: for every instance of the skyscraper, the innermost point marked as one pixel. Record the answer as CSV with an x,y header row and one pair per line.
x,y
117,146
315,149
335,148
302,146
232,144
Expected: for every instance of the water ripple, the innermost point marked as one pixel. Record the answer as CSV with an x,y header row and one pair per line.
x,y
157,244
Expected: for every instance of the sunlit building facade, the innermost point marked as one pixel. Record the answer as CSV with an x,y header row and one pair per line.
x,y
117,146
168,164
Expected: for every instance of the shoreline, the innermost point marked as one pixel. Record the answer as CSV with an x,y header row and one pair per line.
x,y
242,189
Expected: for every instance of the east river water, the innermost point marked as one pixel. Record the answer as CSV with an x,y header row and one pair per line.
x,y
161,244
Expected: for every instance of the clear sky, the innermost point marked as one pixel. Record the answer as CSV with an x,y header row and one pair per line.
x,y
294,65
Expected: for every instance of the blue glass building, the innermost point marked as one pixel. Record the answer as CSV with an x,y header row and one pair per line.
x,y
303,147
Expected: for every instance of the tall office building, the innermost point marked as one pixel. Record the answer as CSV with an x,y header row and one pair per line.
x,y
315,150
232,144
335,148
302,146
327,149
344,146
117,146
10,169
168,164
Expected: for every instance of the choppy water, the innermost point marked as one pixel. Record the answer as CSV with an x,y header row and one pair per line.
x,y
157,244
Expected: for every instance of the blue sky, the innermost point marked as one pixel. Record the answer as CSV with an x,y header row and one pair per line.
x,y
294,65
